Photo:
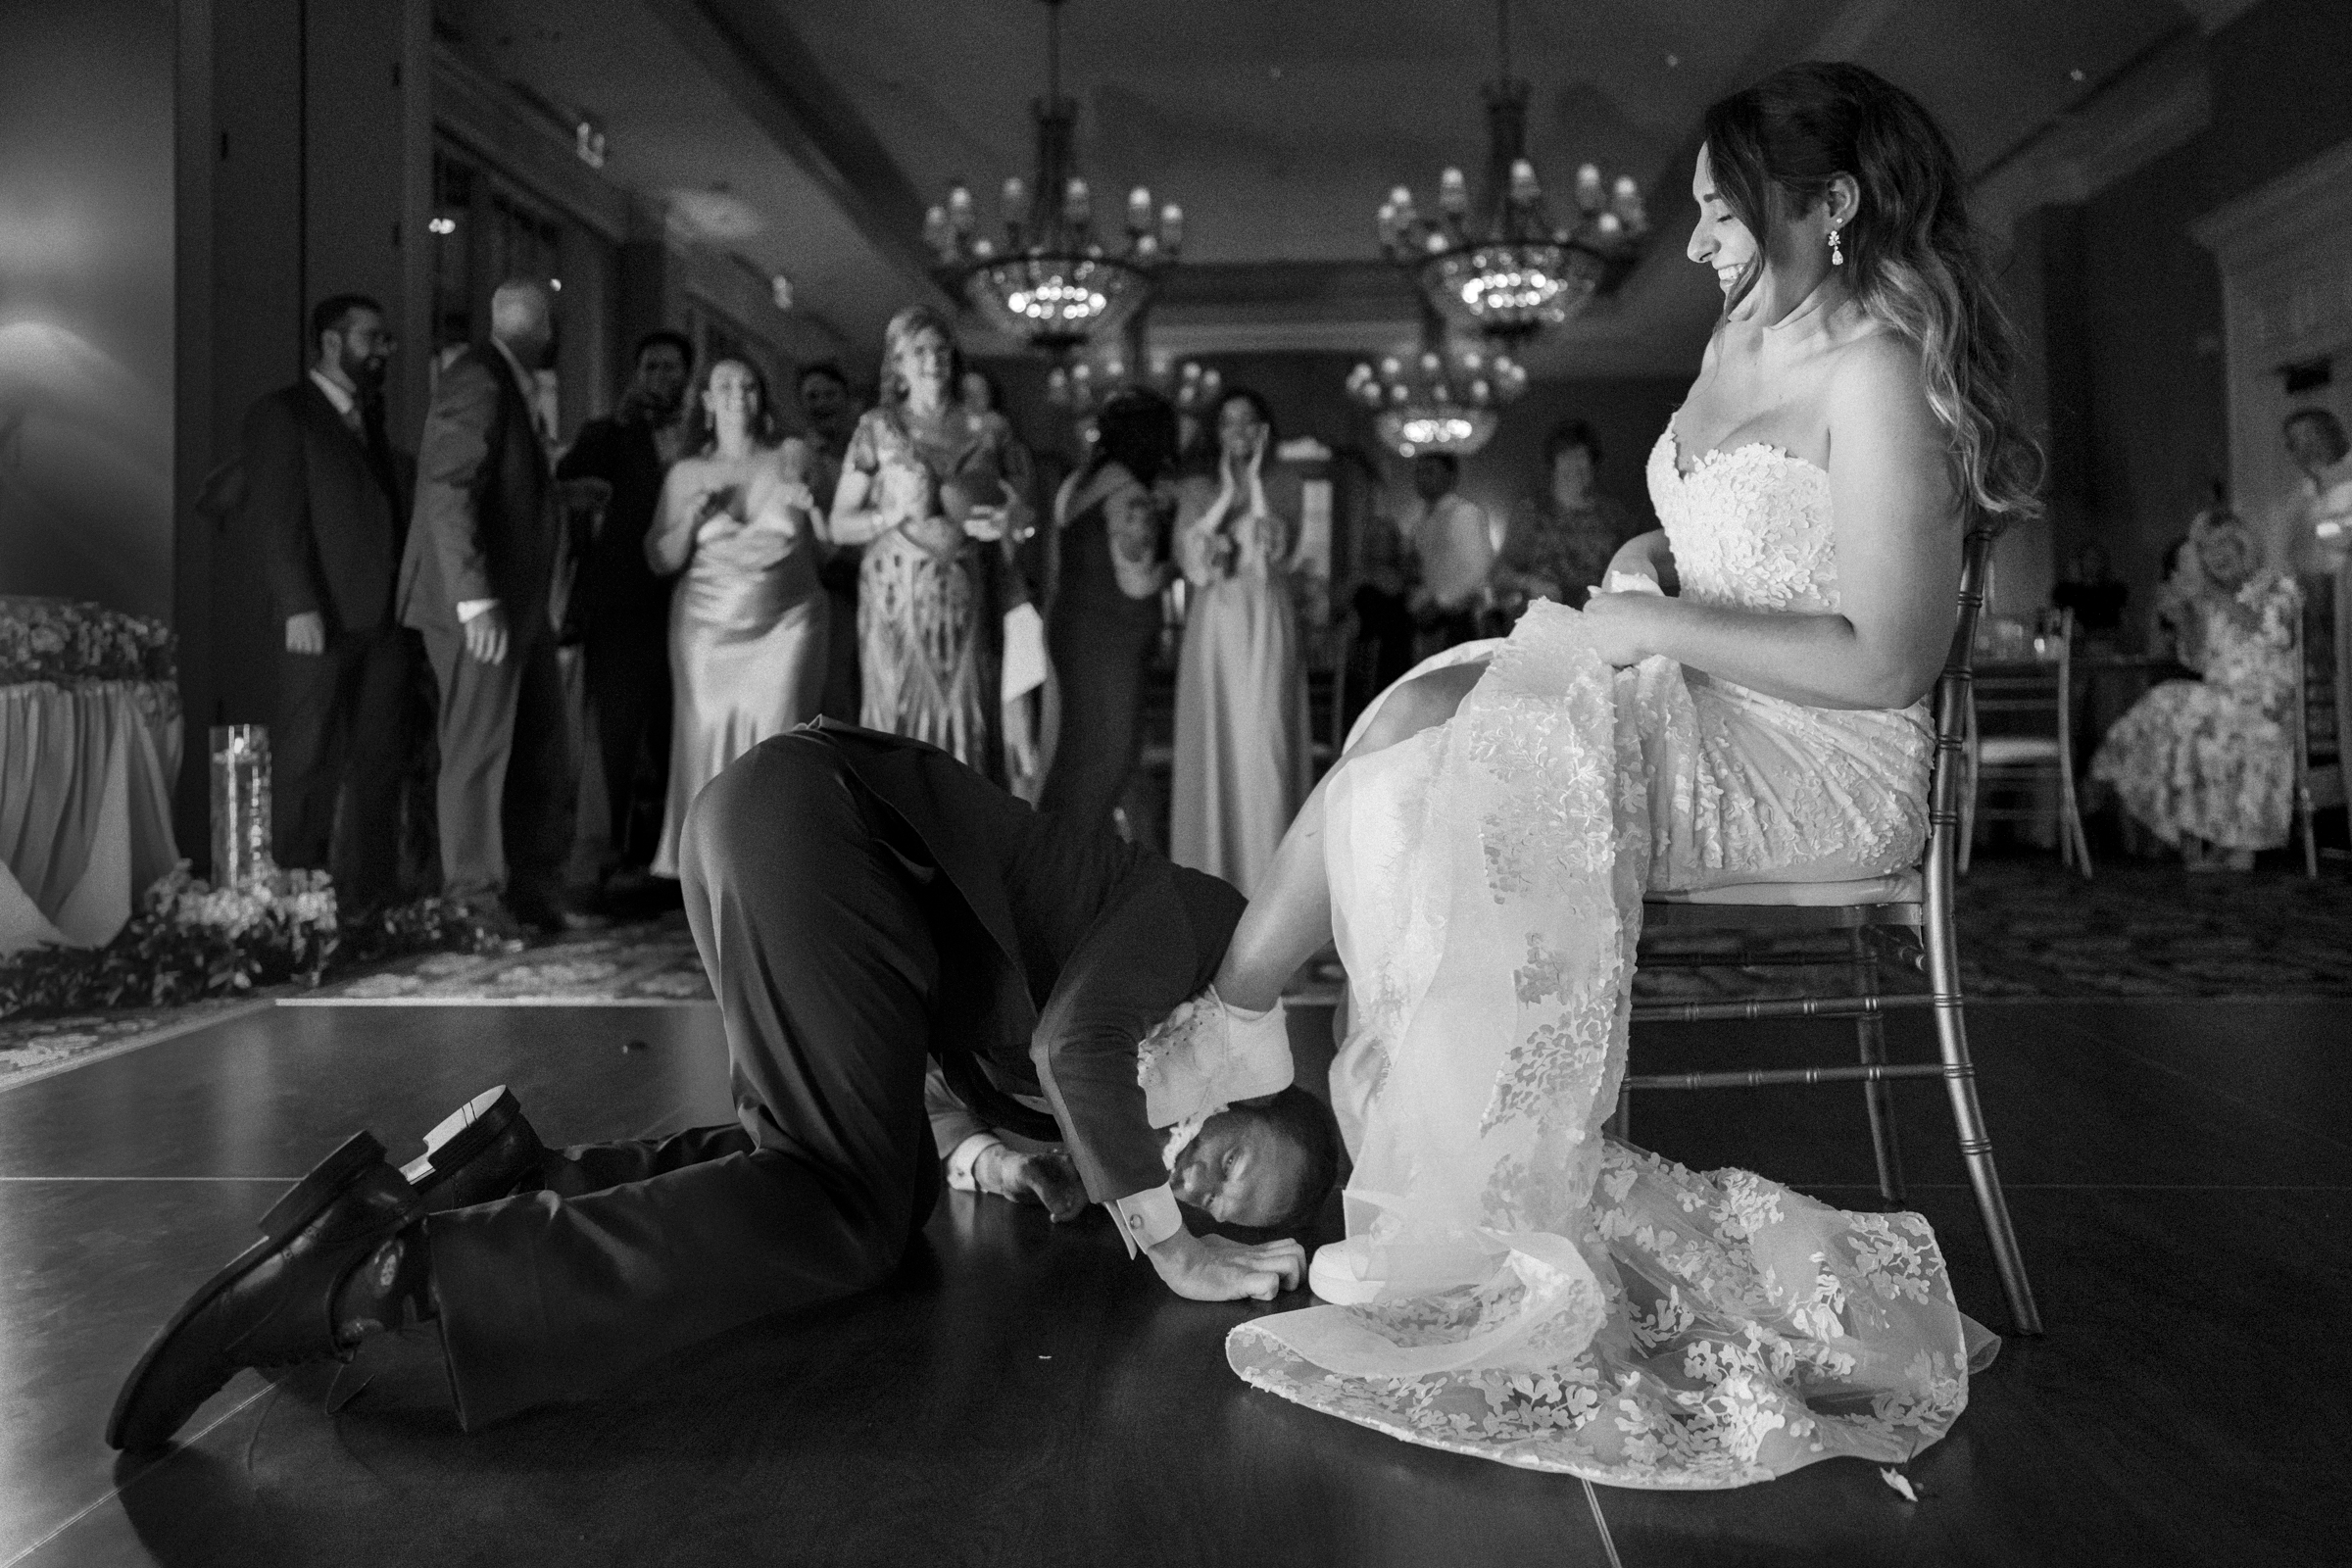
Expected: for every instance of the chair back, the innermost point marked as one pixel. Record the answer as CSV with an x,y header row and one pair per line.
x,y
2034,691
2318,741
1953,704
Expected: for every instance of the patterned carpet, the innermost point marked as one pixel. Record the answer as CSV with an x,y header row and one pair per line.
x,y
2028,930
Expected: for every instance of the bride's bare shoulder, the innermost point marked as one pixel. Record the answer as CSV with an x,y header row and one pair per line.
x,y
1877,382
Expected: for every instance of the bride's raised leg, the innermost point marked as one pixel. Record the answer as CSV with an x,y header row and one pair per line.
x,y
1290,918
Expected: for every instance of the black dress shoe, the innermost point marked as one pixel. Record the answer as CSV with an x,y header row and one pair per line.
x,y
483,1151
274,1305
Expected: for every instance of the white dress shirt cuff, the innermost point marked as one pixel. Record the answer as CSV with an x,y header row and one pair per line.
x,y
467,609
963,1165
1147,1219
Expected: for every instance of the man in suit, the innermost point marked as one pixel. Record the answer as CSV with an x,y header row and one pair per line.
x,y
831,415
866,904
485,549
328,497
622,606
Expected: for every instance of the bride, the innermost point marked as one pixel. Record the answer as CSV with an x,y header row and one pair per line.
x,y
1743,705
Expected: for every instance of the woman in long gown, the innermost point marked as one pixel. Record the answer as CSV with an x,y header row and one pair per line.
x,y
1242,760
1513,1284
1106,616
2209,764
938,494
749,622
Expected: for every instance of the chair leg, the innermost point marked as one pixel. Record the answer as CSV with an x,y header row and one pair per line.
x,y
1624,1119
2311,843
1870,1032
1967,1119
2073,812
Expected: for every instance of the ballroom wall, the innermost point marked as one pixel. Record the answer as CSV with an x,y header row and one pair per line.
x,y
87,350
2152,413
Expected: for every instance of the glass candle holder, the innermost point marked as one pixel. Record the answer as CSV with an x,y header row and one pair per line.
x,y
240,803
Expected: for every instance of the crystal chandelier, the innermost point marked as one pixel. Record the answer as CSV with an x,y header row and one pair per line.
x,y
1507,268
1443,397
1086,385
1049,281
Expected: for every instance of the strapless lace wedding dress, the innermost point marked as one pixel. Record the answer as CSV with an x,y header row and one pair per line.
x,y
1513,1284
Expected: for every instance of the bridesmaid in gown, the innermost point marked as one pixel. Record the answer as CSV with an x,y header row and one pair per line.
x,y
749,622
1241,757
937,493
1106,615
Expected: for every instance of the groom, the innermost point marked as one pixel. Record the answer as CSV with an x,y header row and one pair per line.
x,y
864,905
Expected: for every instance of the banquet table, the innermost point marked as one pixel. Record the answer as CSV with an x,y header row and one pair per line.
x,y
86,771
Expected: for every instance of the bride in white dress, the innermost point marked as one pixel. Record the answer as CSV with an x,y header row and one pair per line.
x,y
1513,1283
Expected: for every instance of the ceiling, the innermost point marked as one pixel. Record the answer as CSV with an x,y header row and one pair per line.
x,y
1279,126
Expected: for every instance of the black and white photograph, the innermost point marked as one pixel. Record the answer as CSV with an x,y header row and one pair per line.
x,y
1073,782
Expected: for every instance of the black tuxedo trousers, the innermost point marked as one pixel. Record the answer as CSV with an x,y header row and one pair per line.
x,y
840,955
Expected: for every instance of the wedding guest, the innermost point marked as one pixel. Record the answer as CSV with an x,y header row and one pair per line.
x,y
830,415
1448,533
484,551
1242,760
2209,764
938,496
2320,532
1106,616
622,607
1559,541
2090,591
748,629
328,496
1385,573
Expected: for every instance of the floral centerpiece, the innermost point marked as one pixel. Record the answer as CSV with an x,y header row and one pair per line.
x,y
191,940
70,642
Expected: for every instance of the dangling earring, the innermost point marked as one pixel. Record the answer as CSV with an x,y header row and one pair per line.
x,y
1837,255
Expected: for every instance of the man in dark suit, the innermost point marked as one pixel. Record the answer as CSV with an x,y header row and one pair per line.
x,y
866,904
621,608
483,553
328,497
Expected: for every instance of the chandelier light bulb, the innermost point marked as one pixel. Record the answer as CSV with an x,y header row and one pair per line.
x,y
1171,228
1077,204
1139,210
936,233
1589,192
1016,202
1453,193
1524,189
959,209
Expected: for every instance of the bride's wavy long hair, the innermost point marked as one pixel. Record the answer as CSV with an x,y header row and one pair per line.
x,y
1911,255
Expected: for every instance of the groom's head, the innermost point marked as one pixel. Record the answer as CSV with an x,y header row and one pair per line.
x,y
1261,1165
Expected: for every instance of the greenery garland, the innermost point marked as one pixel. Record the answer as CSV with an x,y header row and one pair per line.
x,y
191,940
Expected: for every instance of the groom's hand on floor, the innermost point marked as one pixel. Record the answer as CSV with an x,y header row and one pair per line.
x,y
1213,1268
1047,1180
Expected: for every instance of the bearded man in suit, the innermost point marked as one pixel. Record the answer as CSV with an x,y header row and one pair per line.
x,y
328,497
484,551
866,906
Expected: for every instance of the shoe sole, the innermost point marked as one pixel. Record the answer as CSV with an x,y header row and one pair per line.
x,y
309,1198
463,1133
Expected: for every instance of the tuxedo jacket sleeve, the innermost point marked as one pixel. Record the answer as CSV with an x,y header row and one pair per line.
x,y
277,506
1155,943
455,470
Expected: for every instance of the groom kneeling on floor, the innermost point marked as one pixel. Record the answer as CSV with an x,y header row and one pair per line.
x,y
866,906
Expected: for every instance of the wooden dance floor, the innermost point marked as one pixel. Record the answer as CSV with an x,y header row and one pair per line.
x,y
1024,1395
